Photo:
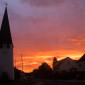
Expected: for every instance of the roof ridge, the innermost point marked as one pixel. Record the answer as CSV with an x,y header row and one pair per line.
x,y
81,59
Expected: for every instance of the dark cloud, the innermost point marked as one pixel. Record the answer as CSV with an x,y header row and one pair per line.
x,y
44,2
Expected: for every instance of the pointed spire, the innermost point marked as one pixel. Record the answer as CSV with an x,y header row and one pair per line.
x,y
5,34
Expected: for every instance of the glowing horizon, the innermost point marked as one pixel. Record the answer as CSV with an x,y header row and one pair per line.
x,y
40,59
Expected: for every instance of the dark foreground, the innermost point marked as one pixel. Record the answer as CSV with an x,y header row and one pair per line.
x,y
45,82
65,82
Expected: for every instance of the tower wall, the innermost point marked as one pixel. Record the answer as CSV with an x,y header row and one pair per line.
x,y
6,61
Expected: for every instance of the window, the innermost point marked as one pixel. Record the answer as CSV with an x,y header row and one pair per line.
x,y
80,65
4,45
68,62
84,62
1,45
8,46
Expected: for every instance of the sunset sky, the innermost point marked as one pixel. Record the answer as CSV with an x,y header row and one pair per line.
x,y
42,29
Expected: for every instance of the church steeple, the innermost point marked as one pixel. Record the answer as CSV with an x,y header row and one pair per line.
x,y
6,48
5,34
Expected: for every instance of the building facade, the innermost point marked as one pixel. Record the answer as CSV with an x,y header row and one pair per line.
x,y
81,64
66,64
6,48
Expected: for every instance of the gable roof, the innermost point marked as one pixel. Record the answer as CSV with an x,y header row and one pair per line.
x,y
5,34
81,59
61,61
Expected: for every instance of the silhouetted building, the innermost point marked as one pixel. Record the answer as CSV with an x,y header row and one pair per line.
x,y
43,71
66,64
81,64
6,48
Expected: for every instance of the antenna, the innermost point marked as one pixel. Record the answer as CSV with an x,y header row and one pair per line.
x,y
22,62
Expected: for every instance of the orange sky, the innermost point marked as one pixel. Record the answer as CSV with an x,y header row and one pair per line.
x,y
35,59
42,29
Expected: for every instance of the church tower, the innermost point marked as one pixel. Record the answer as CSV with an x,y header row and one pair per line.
x,y
6,48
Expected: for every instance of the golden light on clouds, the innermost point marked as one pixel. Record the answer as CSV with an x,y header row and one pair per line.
x,y
32,62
